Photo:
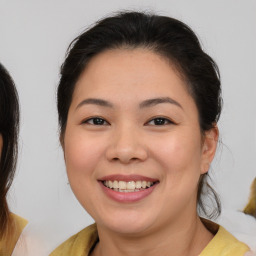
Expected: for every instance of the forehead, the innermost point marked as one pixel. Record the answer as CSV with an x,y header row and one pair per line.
x,y
130,71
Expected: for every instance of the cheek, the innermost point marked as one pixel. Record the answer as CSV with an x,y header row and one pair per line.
x,y
180,158
81,156
178,153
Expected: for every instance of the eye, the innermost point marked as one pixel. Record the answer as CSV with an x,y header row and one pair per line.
x,y
95,121
159,121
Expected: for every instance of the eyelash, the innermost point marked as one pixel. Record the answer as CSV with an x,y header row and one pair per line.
x,y
98,121
163,121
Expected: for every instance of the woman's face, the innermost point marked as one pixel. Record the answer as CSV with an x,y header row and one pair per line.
x,y
133,147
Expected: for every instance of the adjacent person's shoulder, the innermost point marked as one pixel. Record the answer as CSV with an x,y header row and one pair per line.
x,y
17,225
30,243
79,244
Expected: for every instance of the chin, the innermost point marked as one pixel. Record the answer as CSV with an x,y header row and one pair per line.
x,y
130,224
129,229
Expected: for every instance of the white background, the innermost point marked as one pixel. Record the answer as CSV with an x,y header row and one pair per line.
x,y
34,36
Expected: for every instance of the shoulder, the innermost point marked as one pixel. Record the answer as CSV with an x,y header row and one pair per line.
x,y
227,239
241,225
250,253
223,243
17,225
79,244
30,243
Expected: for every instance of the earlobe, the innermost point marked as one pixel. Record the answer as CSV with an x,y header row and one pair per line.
x,y
209,148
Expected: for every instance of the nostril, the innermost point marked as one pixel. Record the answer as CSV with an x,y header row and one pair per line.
x,y
126,154
128,160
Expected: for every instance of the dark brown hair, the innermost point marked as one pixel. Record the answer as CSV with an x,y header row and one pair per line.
x,y
9,127
165,36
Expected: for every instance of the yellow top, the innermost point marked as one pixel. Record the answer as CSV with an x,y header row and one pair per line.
x,y
19,224
81,244
250,208
223,243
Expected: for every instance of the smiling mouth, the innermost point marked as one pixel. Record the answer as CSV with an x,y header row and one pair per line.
x,y
129,186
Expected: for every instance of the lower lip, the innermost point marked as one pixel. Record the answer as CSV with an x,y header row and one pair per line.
x,y
127,197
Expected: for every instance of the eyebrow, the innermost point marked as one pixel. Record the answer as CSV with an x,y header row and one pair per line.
x,y
143,104
93,101
156,101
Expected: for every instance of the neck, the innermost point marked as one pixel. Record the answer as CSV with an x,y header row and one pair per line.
x,y
177,239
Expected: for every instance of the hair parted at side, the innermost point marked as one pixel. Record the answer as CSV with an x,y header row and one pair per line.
x,y
9,128
168,37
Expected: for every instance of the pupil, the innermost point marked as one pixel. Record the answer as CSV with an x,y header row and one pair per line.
x,y
159,121
98,121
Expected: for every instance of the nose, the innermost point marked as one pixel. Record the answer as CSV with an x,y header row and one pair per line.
x,y
126,146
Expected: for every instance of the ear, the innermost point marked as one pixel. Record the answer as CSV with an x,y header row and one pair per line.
x,y
210,142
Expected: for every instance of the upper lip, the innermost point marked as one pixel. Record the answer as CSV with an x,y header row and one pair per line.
x,y
133,177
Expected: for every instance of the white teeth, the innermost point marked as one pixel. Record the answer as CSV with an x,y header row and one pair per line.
x,y
130,186
122,185
115,184
138,184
